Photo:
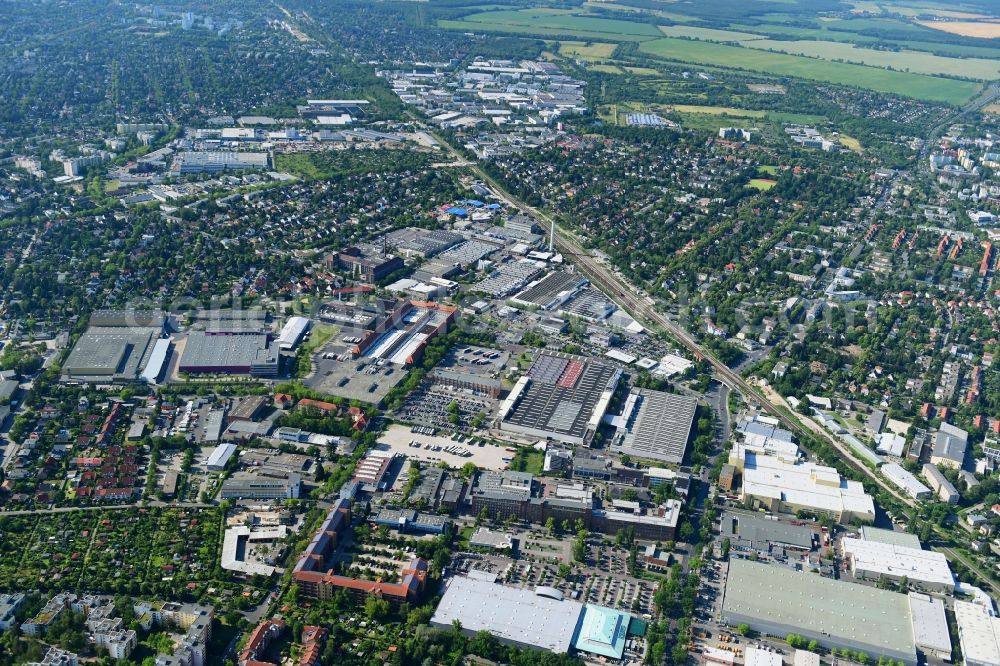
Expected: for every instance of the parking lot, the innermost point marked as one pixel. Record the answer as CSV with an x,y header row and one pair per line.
x,y
363,379
605,581
431,449
429,404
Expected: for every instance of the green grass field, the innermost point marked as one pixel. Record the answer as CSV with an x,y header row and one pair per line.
x,y
718,111
552,22
912,61
606,69
587,50
919,86
709,34
762,184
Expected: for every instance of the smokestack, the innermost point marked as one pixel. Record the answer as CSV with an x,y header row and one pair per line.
x,y
552,236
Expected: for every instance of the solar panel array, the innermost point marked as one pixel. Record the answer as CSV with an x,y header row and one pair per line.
x,y
547,369
549,287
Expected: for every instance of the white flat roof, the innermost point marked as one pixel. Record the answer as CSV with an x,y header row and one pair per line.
x,y
221,454
930,627
509,613
805,658
761,657
230,545
875,558
904,480
804,484
979,633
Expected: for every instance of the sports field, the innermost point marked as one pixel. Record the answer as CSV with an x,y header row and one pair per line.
x,y
762,184
919,86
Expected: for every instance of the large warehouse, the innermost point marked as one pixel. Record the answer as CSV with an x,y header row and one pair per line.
x,y
541,619
561,397
655,425
777,601
118,347
230,354
780,485
873,560
979,633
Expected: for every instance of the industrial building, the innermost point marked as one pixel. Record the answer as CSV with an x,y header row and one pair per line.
x,y
871,560
229,354
220,456
748,532
110,355
539,619
905,481
292,332
484,537
369,269
761,657
373,469
561,397
950,445
777,601
409,520
510,493
782,486
891,537
930,627
525,618
251,486
761,434
978,633
655,425
119,346
946,492
403,335
216,161
479,384
551,291
236,544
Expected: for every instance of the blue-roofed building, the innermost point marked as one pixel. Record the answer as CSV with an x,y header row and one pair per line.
x,y
459,212
602,631
475,203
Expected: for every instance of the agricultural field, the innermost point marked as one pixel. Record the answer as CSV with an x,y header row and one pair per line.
x,y
606,69
908,61
980,29
587,50
886,47
718,111
545,22
919,86
642,71
708,34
